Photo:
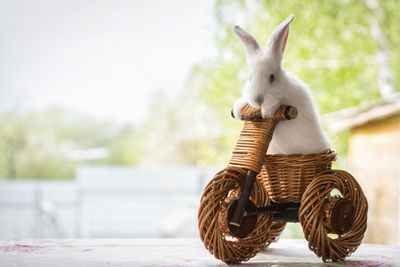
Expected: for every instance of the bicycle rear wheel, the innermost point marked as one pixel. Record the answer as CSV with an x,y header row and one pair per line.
x,y
333,225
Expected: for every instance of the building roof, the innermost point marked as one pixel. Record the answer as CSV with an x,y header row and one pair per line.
x,y
357,116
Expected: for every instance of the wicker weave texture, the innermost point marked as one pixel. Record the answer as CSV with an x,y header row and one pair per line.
x,y
306,179
275,231
286,176
251,147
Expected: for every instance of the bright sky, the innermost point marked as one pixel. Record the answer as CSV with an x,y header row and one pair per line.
x,y
105,58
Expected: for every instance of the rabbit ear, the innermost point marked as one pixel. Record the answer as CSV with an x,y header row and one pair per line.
x,y
250,44
277,41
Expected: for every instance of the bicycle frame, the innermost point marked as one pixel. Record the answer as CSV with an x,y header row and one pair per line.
x,y
250,154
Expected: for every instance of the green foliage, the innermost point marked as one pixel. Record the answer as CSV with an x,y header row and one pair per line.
x,y
28,149
330,47
176,132
125,149
37,144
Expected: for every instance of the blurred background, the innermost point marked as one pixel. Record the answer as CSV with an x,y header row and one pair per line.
x,y
114,115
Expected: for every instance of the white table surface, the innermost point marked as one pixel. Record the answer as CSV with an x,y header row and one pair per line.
x,y
171,252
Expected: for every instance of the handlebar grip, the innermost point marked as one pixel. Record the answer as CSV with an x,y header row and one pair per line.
x,y
283,113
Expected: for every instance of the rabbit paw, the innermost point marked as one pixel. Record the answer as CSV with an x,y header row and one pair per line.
x,y
268,112
237,107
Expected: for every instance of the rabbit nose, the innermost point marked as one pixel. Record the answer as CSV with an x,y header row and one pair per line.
x,y
259,100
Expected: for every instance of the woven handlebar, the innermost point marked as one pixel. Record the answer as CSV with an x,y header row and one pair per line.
x,y
284,112
254,139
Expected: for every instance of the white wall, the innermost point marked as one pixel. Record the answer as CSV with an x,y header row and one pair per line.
x,y
105,201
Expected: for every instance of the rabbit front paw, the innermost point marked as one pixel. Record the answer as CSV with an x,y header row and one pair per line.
x,y
268,112
237,107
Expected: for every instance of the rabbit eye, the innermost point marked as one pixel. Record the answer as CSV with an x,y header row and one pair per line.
x,y
271,78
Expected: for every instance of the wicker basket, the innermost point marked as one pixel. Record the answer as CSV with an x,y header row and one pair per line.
x,y
286,176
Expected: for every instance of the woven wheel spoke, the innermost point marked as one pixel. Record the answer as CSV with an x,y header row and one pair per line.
x,y
312,218
228,249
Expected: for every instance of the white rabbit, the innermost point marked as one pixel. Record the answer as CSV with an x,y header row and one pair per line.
x,y
269,86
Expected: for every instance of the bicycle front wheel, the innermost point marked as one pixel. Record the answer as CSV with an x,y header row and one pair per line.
x,y
221,244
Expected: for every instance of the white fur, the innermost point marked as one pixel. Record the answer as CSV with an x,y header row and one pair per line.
x,y
302,135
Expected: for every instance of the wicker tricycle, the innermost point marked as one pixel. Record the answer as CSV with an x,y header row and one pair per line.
x,y
246,206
